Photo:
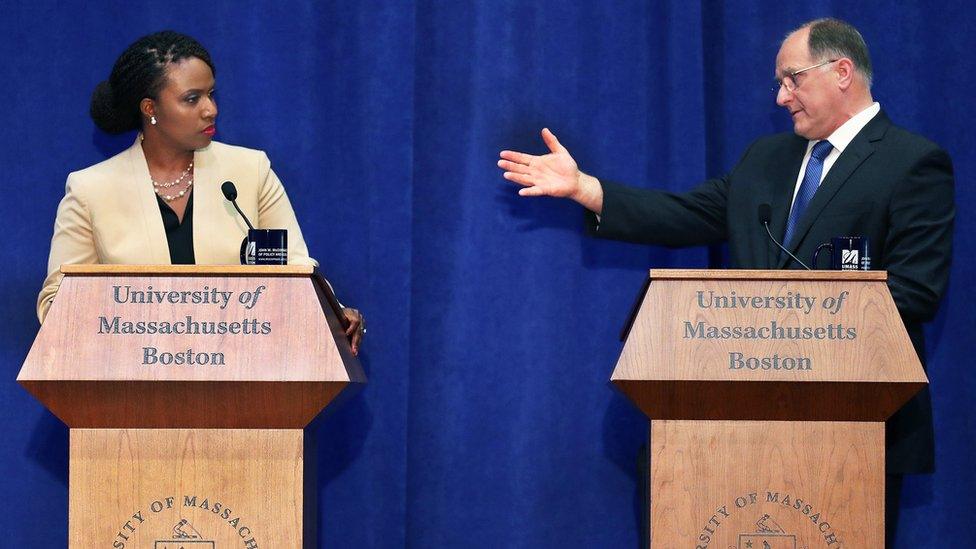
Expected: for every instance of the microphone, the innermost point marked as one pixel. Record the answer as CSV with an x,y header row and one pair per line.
x,y
765,214
230,193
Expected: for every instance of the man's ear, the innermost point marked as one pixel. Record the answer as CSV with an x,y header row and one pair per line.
x,y
845,72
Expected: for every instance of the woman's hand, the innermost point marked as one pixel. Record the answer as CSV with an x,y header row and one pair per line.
x,y
356,329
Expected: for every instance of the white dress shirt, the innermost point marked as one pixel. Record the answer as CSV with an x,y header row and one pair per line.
x,y
840,139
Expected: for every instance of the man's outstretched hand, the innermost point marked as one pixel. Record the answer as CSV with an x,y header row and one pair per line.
x,y
553,174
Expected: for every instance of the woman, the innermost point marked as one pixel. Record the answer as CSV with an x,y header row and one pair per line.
x,y
138,206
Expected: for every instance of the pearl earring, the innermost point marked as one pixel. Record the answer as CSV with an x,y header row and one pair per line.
x,y
152,120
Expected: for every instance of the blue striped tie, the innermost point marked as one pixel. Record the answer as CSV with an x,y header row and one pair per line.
x,y
811,181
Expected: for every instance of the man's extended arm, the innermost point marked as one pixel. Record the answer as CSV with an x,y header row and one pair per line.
x,y
625,213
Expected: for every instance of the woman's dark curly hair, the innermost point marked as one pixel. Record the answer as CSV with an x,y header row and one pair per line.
x,y
138,73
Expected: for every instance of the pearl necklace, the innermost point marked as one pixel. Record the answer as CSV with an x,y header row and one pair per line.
x,y
177,181
170,197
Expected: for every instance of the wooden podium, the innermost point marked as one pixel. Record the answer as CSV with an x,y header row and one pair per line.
x,y
186,390
768,392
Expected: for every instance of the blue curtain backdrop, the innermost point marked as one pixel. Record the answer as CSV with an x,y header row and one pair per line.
x,y
488,420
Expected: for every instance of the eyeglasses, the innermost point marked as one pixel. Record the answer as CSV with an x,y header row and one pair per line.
x,y
789,81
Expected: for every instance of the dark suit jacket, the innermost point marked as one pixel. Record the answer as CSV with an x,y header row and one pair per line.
x,y
890,185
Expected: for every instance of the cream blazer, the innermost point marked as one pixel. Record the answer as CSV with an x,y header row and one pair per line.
x,y
109,213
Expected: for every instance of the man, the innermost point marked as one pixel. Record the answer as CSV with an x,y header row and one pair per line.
x,y
846,170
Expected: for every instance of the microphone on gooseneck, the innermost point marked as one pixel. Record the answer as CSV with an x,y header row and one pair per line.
x,y
765,214
230,193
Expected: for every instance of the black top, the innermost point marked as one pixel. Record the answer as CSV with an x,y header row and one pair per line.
x,y
179,236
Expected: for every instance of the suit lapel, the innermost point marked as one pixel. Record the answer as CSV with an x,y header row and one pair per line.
x,y
147,208
206,199
849,161
782,182
785,184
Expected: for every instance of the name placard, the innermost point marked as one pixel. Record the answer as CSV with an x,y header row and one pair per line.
x,y
187,327
768,345
771,326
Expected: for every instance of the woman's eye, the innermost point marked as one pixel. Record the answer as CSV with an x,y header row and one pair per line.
x,y
192,99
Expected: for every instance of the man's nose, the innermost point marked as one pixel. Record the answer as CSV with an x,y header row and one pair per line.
x,y
783,96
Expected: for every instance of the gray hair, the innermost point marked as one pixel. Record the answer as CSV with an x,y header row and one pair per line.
x,y
832,39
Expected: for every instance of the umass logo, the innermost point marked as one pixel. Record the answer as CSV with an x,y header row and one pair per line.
x,y
850,260
185,536
766,532
768,535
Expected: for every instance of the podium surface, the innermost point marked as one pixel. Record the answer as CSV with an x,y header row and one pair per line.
x,y
186,389
767,392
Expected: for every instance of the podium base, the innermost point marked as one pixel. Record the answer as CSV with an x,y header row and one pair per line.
x,y
185,488
767,484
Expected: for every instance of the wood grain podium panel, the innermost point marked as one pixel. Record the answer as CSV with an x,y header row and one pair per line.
x,y
238,328
146,488
188,270
860,339
791,345
194,405
132,346
795,485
